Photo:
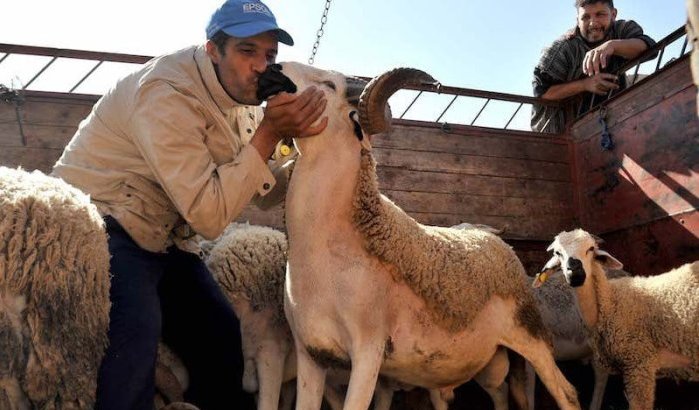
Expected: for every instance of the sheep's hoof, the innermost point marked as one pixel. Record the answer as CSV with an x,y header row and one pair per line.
x,y
180,406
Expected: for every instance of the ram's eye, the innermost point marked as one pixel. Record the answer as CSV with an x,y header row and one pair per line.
x,y
557,253
330,85
592,249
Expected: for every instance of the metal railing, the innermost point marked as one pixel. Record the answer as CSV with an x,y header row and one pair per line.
x,y
656,54
448,98
441,110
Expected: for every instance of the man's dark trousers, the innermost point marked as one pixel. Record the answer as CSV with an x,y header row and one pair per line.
x,y
172,295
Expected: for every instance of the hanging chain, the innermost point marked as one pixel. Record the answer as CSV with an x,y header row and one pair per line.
x,y
320,32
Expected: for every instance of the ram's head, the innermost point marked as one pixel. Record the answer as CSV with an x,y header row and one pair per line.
x,y
354,106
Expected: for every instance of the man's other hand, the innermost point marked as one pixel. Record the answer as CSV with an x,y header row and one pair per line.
x,y
601,83
290,115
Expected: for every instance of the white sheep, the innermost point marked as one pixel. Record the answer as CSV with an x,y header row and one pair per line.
x,y
641,327
570,337
369,287
54,293
249,262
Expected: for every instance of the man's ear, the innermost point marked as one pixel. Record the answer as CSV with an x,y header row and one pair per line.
x,y
212,51
613,14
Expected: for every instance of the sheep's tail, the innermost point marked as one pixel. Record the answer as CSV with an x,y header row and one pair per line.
x,y
517,380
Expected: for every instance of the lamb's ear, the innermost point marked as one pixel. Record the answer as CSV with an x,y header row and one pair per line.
x,y
607,260
359,132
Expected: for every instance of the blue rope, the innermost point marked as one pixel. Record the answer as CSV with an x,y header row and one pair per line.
x,y
606,142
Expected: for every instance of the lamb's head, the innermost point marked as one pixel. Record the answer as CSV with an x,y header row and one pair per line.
x,y
575,253
354,109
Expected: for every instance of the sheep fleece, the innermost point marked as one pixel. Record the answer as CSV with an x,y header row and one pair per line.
x,y
451,269
53,251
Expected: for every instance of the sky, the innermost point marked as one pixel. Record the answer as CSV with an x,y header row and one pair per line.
x,y
489,45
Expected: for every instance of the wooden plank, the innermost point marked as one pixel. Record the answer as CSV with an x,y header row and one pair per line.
x,y
47,113
649,141
645,95
658,246
470,164
502,145
434,202
427,181
36,136
650,174
30,159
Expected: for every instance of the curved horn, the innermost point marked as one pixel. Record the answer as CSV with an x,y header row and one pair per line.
x,y
372,103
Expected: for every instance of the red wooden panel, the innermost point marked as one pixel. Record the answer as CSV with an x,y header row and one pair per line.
x,y
658,246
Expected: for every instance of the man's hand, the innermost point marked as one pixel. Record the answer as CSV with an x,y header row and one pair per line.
x,y
596,59
290,115
601,83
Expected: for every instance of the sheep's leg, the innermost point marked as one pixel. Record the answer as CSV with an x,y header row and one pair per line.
x,y
531,386
365,372
517,380
287,395
538,353
437,400
639,386
310,381
333,396
492,379
383,396
601,377
270,370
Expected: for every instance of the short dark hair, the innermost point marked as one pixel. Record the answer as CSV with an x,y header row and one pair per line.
x,y
583,3
220,38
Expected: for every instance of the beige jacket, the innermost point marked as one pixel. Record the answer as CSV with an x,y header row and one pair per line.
x,y
166,149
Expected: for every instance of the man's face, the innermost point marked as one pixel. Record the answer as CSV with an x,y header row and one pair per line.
x,y
242,63
595,20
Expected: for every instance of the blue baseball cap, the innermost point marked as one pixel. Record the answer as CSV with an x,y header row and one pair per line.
x,y
240,18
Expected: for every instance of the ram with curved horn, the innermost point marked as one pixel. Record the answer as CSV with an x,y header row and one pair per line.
x,y
370,289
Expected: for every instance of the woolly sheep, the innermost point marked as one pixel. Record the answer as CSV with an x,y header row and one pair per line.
x,y
369,287
570,337
249,263
641,327
54,293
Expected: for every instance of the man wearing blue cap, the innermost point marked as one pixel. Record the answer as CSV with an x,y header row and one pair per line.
x,y
173,150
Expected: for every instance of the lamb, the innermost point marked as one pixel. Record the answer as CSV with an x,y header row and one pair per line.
x,y
641,327
249,263
368,287
54,293
570,337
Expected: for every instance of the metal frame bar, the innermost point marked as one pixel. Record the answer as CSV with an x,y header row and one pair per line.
x,y
410,105
479,112
445,110
39,73
513,115
89,73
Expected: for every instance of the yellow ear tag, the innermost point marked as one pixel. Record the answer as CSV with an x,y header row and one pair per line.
x,y
285,150
540,279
